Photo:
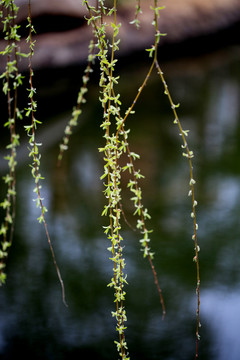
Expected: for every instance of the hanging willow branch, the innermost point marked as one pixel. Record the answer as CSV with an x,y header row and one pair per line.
x,y
34,149
12,79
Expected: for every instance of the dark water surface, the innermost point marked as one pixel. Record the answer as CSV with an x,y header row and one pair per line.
x,y
34,323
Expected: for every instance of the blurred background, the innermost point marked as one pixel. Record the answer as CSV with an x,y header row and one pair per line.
x,y
200,60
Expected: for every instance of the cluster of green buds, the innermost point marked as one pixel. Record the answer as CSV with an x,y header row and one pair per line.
x,y
81,99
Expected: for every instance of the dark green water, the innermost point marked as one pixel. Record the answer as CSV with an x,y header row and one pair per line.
x,y
34,323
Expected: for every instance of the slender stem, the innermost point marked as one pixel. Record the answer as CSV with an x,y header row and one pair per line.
x,y
192,193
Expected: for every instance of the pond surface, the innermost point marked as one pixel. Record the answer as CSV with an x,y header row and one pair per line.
x,y
34,322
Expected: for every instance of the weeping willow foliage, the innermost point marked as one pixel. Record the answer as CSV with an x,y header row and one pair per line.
x,y
11,83
102,53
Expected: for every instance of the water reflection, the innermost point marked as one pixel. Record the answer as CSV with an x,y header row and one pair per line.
x,y
222,116
221,310
34,322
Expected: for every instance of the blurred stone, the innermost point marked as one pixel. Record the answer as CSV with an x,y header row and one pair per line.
x,y
60,45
